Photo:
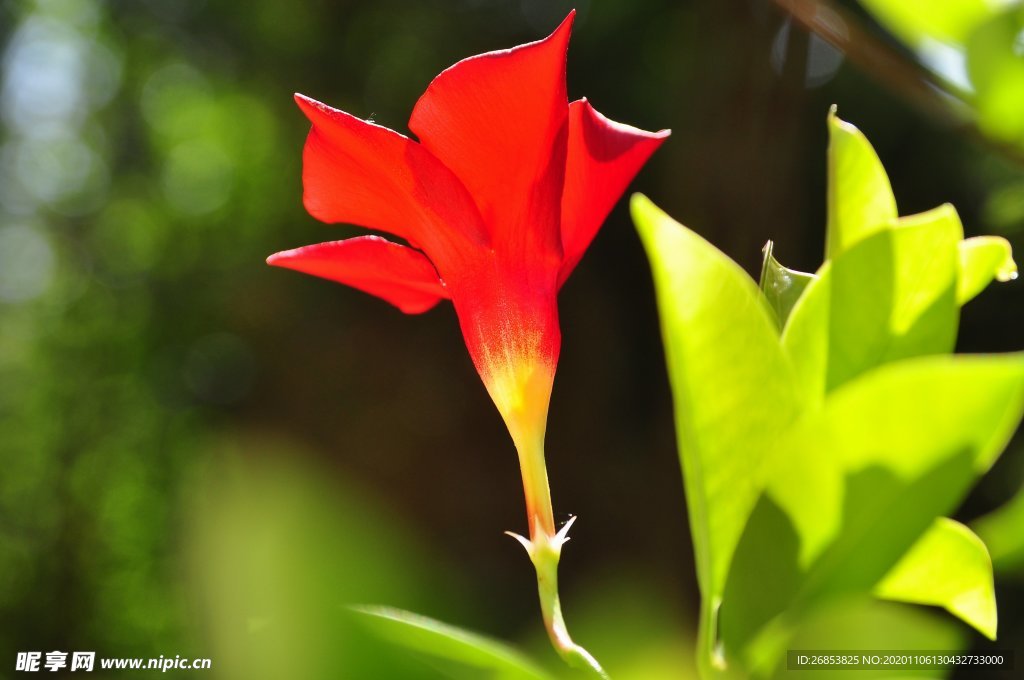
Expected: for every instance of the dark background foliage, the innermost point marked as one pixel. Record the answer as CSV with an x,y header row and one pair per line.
x,y
178,421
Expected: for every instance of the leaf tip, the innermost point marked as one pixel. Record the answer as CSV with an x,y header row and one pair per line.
x,y
642,210
638,202
1007,271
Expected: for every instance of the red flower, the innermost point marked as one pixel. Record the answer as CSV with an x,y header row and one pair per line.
x,y
498,200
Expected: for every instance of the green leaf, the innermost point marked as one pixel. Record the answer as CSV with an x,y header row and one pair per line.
x,y
996,72
860,200
781,286
859,482
724,361
949,566
732,385
889,432
456,652
982,259
805,337
891,296
1003,533
918,21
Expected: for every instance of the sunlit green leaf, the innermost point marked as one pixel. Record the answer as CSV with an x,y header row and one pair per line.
x,y
781,286
948,567
852,486
982,259
733,387
860,481
891,287
805,337
916,21
887,291
996,72
893,430
860,200
458,653
891,296
890,431
1003,533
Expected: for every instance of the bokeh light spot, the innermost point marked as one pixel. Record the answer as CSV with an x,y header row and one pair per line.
x,y
198,177
26,263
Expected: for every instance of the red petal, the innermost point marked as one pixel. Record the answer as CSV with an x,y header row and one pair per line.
x,y
603,158
400,275
357,172
498,121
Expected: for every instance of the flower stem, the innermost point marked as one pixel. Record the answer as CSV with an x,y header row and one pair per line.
x,y
545,549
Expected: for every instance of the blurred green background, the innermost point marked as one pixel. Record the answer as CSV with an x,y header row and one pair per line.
x,y
204,456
